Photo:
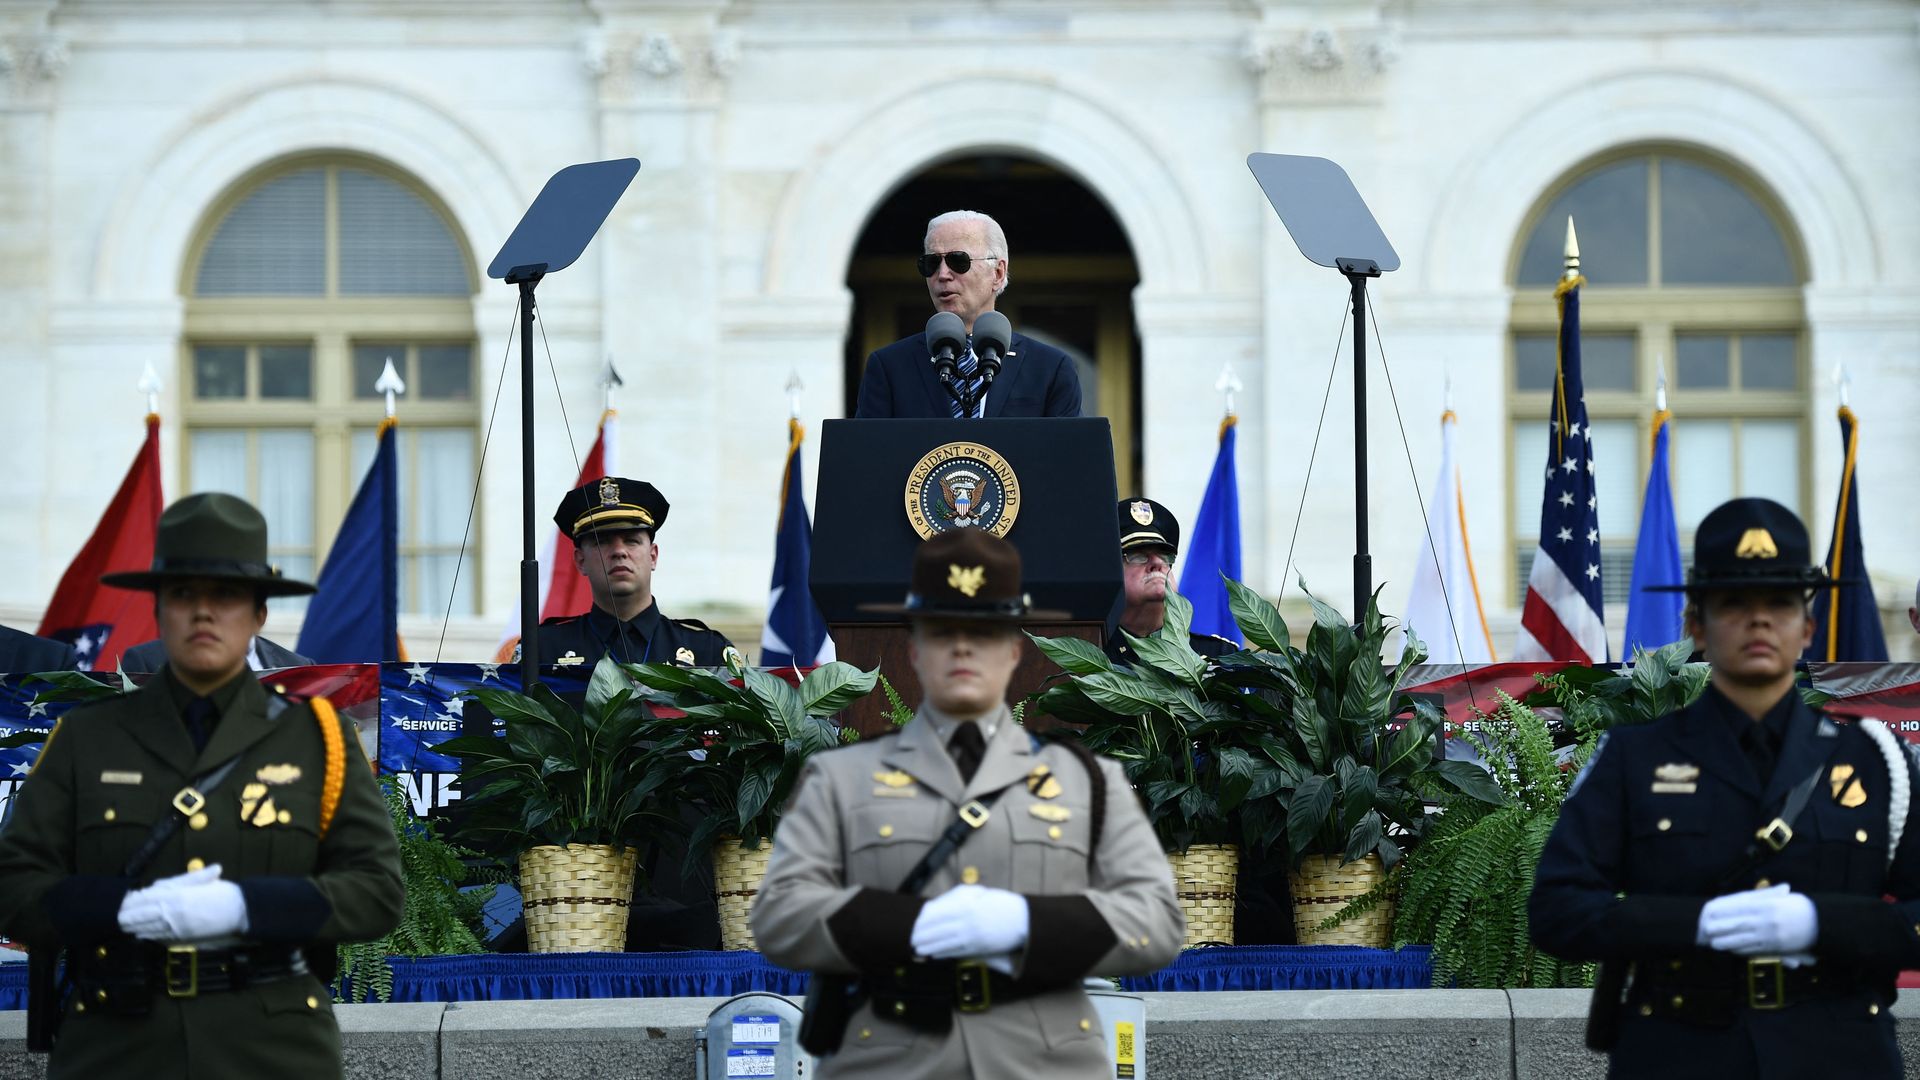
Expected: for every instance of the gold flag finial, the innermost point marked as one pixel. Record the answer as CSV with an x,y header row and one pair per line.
x,y
1573,253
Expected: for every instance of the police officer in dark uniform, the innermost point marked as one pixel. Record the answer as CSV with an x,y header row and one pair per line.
x,y
613,522
1730,864
1149,544
200,845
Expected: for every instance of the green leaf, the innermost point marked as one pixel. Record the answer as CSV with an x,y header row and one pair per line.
x,y
1364,701
1325,614
1120,692
509,705
1307,813
1075,656
833,686
1357,790
782,704
1179,618
607,681
1258,619
1170,655
756,787
1364,837
1471,780
1236,771
1315,733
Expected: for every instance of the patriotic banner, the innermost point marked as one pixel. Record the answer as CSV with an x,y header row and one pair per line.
x,y
1213,544
1655,619
98,621
1444,607
796,631
355,615
1846,620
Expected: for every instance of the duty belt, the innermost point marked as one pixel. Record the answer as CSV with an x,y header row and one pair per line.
x,y
1711,991
123,978
925,995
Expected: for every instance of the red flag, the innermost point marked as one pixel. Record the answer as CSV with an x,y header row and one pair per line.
x,y
100,622
565,590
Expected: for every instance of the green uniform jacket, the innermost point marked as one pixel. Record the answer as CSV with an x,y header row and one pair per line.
x,y
108,772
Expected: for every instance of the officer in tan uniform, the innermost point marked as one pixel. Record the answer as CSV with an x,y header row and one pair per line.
x,y
199,846
978,974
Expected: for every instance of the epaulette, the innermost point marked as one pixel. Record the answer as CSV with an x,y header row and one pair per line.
x,y
694,624
561,620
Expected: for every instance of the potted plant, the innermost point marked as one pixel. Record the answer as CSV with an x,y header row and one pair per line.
x,y
573,791
737,749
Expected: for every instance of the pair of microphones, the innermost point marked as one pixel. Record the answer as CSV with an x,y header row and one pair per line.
x,y
947,340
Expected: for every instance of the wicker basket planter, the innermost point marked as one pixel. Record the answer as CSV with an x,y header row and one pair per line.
x,y
737,873
1206,879
577,897
1322,886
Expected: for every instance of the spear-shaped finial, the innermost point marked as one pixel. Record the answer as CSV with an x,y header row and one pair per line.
x,y
1446,386
1843,379
794,389
150,385
1660,388
389,383
609,378
1573,253
1229,384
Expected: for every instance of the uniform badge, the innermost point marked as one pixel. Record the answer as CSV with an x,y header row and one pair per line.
x,y
968,580
1756,544
571,659
1142,512
256,806
117,776
277,774
1049,812
895,784
609,491
684,655
896,778
1042,783
1676,779
1846,787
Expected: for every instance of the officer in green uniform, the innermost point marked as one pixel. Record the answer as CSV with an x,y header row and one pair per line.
x,y
1149,544
613,522
199,846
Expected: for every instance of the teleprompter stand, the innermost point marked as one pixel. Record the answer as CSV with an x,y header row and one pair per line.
x,y
550,236
1331,225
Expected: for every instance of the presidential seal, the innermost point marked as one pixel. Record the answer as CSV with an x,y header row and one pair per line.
x,y
962,485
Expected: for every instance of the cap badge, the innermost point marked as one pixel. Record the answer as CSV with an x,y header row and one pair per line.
x,y
1756,544
966,579
1142,512
609,491
684,655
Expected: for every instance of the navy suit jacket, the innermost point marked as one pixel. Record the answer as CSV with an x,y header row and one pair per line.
x,y
1034,380
21,653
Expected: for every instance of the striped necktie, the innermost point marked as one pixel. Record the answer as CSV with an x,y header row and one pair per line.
x,y
968,368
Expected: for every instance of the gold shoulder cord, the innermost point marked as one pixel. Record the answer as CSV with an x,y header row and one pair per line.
x,y
42,755
336,772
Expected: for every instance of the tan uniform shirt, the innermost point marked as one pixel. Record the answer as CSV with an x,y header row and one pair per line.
x,y
863,816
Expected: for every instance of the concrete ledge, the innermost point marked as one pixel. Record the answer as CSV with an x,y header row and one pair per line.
x,y
1371,1034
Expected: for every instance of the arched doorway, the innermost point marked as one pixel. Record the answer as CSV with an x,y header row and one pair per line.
x,y
1073,276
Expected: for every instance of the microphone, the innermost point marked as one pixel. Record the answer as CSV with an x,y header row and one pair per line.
x,y
992,337
946,339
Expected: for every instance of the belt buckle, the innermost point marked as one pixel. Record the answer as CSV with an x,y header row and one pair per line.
x,y
972,990
188,801
1766,983
974,814
187,957
1776,835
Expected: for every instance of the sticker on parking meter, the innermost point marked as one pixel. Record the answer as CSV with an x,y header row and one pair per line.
x,y
756,1031
750,1061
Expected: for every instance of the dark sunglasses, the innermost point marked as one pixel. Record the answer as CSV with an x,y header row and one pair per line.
x,y
957,261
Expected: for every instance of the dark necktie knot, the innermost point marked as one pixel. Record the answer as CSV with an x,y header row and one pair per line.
x,y
967,747
200,716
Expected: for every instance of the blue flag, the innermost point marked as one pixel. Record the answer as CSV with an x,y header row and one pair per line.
x,y
355,617
1656,618
1213,547
1846,621
796,633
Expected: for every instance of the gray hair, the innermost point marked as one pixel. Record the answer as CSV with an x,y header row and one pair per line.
x,y
996,237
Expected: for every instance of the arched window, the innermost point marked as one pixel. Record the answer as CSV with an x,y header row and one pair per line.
x,y
304,279
1692,269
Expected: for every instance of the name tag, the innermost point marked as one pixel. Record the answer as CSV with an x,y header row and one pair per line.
x,y
114,776
1672,788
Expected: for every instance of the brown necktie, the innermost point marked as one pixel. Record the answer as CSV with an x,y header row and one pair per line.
x,y
967,747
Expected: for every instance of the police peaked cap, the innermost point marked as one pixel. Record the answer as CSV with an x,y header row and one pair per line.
x,y
611,504
1144,522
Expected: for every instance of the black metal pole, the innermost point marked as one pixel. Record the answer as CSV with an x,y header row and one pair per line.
x,y
1362,561
529,558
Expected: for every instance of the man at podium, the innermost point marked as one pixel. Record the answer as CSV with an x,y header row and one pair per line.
x,y
964,259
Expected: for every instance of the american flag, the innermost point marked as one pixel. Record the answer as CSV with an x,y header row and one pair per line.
x,y
1562,618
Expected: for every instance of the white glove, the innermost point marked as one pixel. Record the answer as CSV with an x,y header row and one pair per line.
x,y
971,921
195,906
1761,922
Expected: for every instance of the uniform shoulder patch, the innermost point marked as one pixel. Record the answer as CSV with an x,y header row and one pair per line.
x,y
694,624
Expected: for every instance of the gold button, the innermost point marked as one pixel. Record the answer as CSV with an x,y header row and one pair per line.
x,y
1053,832
866,1033
1665,824
1143,939
101,952
196,864
1673,965
313,1002
79,1006
1873,1010
1860,835
197,822
109,815
970,876
285,816
899,1008
1085,1024
100,996
886,831
279,688
1762,884
1646,1010
1678,1001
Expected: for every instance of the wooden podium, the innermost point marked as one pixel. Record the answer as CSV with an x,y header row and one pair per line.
x,y
877,476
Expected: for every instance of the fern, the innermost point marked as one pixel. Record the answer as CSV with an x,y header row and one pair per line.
x,y
1464,890
438,919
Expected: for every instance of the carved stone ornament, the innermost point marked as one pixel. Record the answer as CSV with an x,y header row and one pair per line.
x,y
658,56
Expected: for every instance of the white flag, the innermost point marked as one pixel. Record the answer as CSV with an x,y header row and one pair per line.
x,y
1467,641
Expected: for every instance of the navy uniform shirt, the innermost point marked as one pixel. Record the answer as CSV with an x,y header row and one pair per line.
x,y
1662,814
647,638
